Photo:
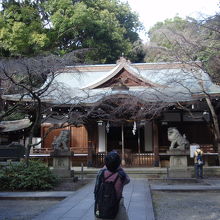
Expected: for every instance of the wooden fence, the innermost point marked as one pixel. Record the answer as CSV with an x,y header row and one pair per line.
x,y
132,160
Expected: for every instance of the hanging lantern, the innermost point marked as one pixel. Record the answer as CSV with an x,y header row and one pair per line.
x,y
100,123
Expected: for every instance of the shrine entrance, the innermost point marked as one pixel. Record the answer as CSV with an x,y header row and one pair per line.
x,y
133,143
133,139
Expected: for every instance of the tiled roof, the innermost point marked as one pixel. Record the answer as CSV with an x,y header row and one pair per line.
x,y
173,82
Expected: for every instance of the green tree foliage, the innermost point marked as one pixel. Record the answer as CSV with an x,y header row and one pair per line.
x,y
210,52
21,29
105,28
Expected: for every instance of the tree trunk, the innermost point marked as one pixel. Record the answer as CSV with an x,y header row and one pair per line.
x,y
215,125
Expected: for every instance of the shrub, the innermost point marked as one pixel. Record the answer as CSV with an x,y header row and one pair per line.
x,y
37,176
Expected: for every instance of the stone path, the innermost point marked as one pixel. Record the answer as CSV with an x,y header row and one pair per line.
x,y
80,204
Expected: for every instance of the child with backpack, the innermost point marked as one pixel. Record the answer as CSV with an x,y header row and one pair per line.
x,y
198,161
109,203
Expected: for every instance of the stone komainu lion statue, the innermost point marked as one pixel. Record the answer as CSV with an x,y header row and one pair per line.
x,y
61,142
177,140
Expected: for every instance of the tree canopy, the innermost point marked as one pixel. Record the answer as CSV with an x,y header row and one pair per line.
x,y
21,29
187,40
106,28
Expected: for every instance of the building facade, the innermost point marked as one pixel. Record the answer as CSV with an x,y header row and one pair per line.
x,y
129,108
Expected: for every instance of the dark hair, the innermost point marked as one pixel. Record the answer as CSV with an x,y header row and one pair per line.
x,y
112,161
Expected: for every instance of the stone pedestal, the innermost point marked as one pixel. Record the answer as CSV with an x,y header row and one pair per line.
x,y
178,161
178,164
62,163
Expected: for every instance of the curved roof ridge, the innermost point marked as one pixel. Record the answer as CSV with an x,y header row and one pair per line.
x,y
109,75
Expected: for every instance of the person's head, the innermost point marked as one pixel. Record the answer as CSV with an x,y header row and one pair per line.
x,y
112,161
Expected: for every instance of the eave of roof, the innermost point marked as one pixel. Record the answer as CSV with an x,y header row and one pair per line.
x,y
7,126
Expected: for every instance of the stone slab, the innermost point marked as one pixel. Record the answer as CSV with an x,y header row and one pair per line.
x,y
64,173
179,173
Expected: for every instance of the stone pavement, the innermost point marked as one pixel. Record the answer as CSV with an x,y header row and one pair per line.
x,y
202,185
80,204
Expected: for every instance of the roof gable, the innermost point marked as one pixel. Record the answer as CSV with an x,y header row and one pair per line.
x,y
123,74
123,77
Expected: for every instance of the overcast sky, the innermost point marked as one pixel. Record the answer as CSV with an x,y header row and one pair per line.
x,y
152,11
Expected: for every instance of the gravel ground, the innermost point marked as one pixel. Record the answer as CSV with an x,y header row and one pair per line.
x,y
23,209
186,205
69,185
27,209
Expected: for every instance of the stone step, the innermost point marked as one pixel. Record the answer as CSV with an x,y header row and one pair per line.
x,y
174,180
132,172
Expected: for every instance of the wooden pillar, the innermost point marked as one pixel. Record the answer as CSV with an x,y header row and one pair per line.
x,y
90,154
122,146
156,144
139,145
1,101
91,149
139,140
42,136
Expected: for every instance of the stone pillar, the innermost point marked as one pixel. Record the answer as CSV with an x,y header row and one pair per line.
x,y
102,137
218,147
62,155
62,163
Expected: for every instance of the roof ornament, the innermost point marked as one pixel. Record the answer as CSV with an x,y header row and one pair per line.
x,y
123,60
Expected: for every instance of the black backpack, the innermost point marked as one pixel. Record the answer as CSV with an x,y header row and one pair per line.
x,y
106,201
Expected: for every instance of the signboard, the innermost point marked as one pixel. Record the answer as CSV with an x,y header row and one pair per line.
x,y
193,148
171,116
